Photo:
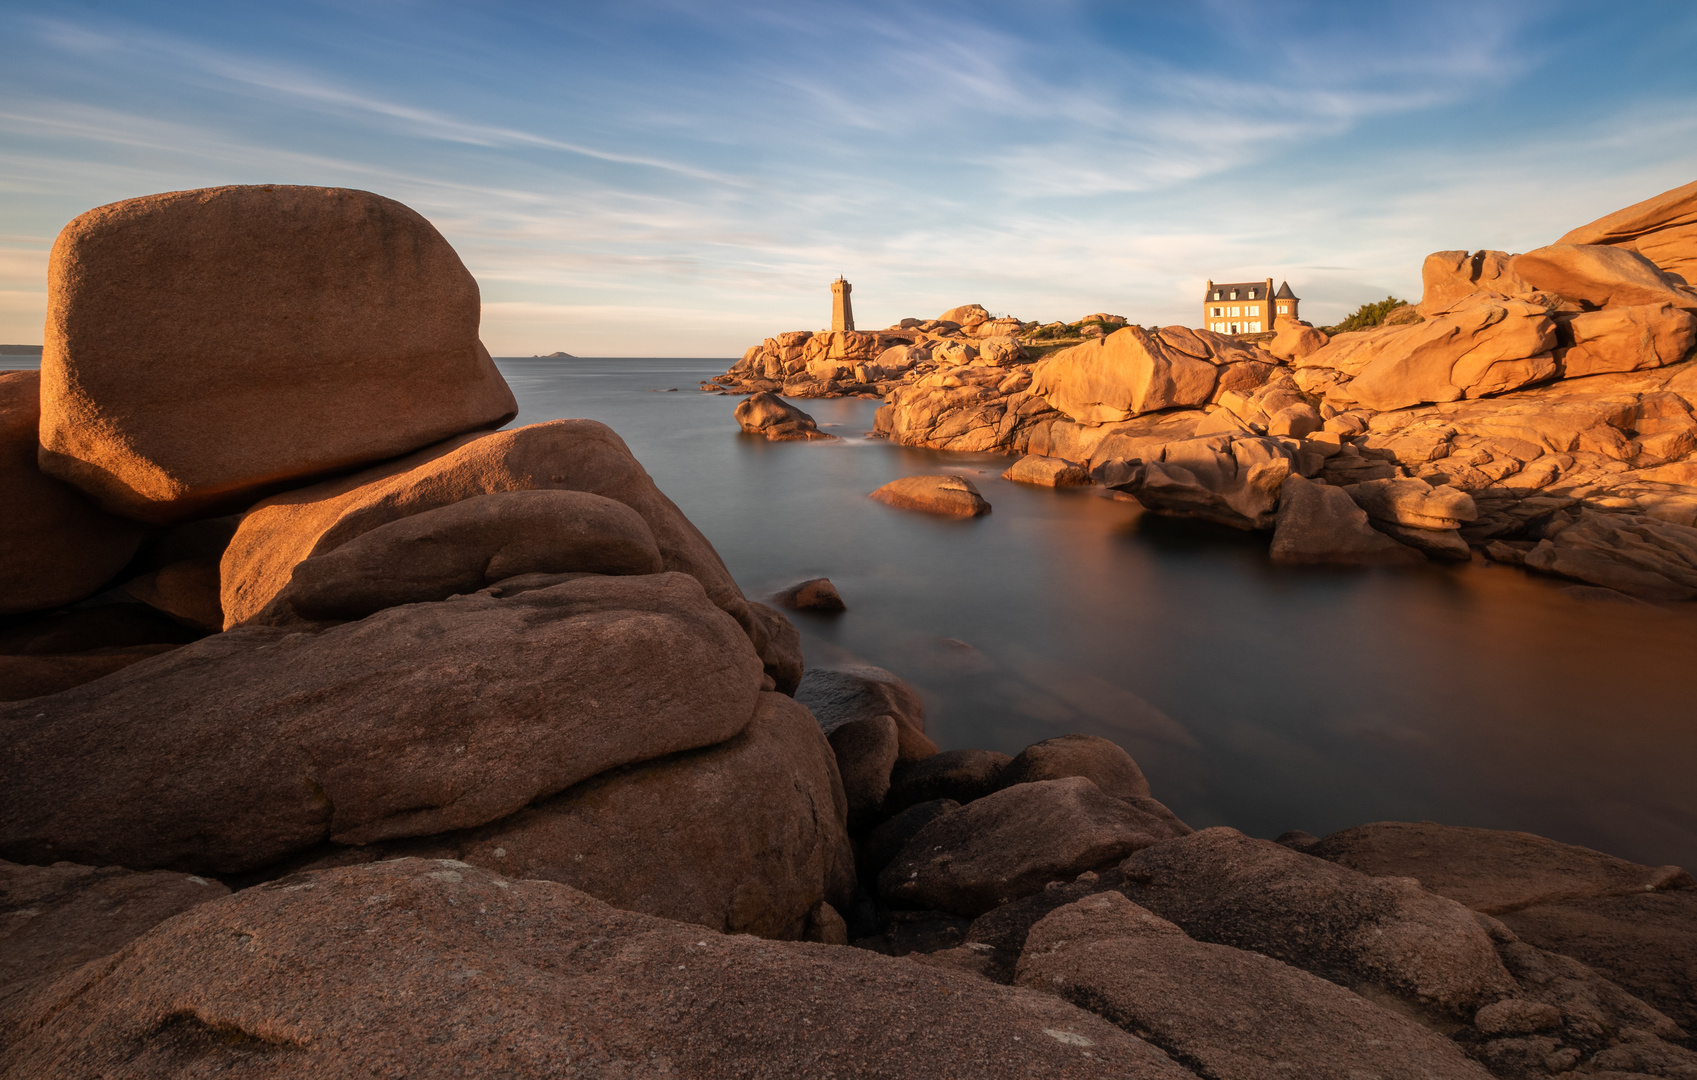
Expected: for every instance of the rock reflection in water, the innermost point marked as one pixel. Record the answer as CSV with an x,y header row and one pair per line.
x,y
1268,698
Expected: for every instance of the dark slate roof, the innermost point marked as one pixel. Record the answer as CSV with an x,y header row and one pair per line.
x,y
1225,288
1284,292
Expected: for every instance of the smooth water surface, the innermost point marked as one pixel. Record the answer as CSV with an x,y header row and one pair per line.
x,y
1256,696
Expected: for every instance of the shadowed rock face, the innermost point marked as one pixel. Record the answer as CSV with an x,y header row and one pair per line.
x,y
1011,843
240,749
1223,1012
529,979
56,547
769,415
743,837
54,919
1323,525
204,347
1223,887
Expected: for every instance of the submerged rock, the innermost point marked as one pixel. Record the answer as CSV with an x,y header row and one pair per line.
x,y
769,415
814,594
948,495
1047,472
206,347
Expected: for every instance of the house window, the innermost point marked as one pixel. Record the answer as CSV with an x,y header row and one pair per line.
x,y
1216,294
1255,327
1252,294
1284,309
1233,295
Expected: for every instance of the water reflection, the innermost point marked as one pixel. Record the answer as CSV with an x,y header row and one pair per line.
x,y
1264,697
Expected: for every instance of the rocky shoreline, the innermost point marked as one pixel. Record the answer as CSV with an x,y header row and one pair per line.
x,y
348,735
1534,409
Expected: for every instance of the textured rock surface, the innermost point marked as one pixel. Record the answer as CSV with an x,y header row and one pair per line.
x,y
1414,503
1491,870
1662,228
961,775
836,696
1483,348
1318,524
240,749
53,919
1223,887
1011,843
1293,340
1103,763
467,545
1640,556
866,750
1226,479
1126,374
771,416
570,455
1450,278
205,347
814,594
56,547
1627,339
531,979
948,495
1220,1011
24,677
1600,276
1047,472
743,837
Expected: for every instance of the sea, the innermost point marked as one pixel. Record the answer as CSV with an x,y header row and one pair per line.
x,y
1262,697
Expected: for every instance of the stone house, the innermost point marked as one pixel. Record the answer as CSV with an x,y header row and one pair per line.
x,y
1246,307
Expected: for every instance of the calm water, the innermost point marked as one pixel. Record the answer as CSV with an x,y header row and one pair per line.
x,y
1255,696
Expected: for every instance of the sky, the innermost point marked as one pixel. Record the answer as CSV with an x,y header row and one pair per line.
x,y
685,179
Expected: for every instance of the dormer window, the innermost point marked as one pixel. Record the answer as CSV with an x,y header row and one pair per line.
x,y
1234,294
1252,294
1216,294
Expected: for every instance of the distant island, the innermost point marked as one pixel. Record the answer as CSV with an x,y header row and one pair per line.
x,y
555,356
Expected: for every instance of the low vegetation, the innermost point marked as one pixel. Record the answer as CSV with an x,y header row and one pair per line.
x,y
1367,315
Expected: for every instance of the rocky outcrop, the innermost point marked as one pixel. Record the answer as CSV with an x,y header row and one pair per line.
x,y
1011,843
1599,276
1221,1011
1046,472
947,495
1318,524
743,837
814,594
1126,374
1639,556
768,415
529,978
1226,479
1625,339
56,547
244,748
54,919
1663,229
1103,763
1293,340
206,347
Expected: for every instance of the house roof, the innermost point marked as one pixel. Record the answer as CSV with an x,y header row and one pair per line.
x,y
1225,287
1284,292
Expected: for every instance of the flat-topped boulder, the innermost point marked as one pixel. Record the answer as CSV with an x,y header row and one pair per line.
x,y
1125,374
204,348
947,495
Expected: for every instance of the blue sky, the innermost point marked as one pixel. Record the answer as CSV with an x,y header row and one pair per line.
x,y
683,179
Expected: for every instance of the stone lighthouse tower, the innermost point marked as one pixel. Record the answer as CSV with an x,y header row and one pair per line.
x,y
842,312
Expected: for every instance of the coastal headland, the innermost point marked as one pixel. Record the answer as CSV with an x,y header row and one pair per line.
x,y
350,732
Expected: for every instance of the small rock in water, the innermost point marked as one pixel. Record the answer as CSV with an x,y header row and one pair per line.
x,y
814,594
949,495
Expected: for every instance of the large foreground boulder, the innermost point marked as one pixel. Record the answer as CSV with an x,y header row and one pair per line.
x,y
1479,349
465,546
56,547
1389,933
743,837
206,347
569,455
1663,229
1600,276
1225,1013
427,968
241,749
1128,373
1627,339
1010,844
53,919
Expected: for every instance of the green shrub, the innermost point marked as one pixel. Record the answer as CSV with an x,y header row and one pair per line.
x,y
1366,315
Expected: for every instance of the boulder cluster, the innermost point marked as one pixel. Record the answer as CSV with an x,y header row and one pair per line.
x,y
438,750
1535,408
